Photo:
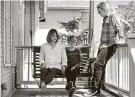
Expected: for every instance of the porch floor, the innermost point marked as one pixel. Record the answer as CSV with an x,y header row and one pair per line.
x,y
53,92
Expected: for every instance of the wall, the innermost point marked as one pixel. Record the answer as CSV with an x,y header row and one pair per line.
x,y
55,15
28,25
0,41
10,36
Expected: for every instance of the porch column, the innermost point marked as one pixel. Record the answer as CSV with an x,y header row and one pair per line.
x,y
131,67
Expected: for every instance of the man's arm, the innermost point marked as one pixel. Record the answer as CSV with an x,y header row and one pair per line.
x,y
119,27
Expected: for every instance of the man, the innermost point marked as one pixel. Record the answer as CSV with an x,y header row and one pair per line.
x,y
112,34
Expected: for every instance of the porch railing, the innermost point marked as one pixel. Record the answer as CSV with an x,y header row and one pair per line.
x,y
117,70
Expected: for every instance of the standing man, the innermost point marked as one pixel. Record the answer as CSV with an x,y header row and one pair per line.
x,y
112,34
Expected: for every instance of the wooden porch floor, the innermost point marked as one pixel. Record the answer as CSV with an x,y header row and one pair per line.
x,y
53,92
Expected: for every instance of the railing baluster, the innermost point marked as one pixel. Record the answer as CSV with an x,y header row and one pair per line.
x,y
28,64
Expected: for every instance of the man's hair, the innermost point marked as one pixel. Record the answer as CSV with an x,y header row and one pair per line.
x,y
70,38
50,34
103,6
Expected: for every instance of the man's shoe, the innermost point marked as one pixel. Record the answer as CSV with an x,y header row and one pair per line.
x,y
69,85
71,91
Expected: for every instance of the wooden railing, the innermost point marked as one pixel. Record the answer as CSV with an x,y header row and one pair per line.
x,y
117,70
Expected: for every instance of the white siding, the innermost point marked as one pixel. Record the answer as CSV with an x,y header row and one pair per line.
x,y
29,15
10,35
56,15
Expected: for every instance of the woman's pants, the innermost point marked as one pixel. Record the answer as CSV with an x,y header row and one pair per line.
x,y
48,74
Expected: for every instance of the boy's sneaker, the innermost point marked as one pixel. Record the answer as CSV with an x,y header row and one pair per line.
x,y
71,91
69,85
93,92
43,86
97,93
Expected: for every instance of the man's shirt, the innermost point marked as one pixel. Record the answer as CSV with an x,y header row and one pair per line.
x,y
111,30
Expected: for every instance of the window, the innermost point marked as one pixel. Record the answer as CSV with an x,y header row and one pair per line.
x,y
7,34
85,20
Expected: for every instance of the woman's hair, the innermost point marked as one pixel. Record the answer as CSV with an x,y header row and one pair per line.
x,y
71,38
103,6
50,34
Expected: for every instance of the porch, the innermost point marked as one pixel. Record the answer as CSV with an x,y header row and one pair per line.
x,y
22,22
116,83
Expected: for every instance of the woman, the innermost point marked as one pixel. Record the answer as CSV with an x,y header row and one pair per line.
x,y
53,58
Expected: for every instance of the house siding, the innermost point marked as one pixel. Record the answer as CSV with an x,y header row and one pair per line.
x,y
29,15
9,35
54,16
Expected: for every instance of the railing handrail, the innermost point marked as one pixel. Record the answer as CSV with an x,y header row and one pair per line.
x,y
123,45
39,46
25,47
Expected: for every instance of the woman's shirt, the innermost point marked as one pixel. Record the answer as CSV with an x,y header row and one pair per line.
x,y
74,57
53,58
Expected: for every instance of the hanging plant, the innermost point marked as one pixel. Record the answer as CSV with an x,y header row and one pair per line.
x,y
70,26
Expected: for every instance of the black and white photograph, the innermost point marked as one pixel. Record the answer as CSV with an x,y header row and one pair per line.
x,y
67,48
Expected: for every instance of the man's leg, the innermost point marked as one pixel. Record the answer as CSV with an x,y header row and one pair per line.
x,y
111,52
99,68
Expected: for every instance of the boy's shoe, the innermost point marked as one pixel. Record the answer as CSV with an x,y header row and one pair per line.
x,y
97,93
71,91
69,85
43,86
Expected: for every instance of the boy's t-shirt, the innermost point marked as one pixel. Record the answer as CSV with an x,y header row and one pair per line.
x,y
73,57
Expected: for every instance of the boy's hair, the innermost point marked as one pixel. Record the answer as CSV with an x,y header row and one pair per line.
x,y
70,38
50,33
103,6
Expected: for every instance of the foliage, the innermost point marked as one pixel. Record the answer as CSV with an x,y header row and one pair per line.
x,y
127,12
71,25
72,28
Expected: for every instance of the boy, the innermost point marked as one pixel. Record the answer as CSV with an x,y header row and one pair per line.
x,y
74,60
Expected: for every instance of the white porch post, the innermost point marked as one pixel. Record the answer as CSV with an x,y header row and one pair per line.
x,y
131,67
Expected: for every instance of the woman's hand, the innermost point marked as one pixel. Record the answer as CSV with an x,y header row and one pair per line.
x,y
43,65
63,69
